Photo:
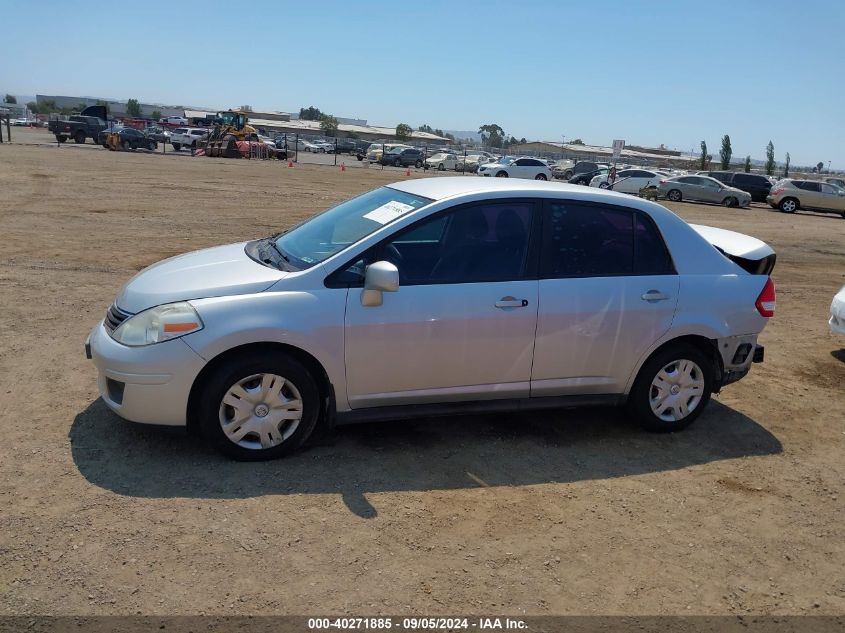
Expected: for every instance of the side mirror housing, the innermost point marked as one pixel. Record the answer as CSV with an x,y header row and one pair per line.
x,y
380,277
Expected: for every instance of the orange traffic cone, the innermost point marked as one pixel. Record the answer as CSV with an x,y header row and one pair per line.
x,y
290,163
408,171
343,167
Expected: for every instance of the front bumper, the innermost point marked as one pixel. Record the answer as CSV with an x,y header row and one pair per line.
x,y
837,317
148,384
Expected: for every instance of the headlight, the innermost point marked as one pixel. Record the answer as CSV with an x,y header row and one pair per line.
x,y
158,324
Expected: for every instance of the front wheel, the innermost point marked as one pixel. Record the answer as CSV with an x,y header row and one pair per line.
x,y
259,407
502,174
418,164
604,185
672,389
79,138
397,163
674,195
151,146
177,146
730,202
788,205
540,177
126,145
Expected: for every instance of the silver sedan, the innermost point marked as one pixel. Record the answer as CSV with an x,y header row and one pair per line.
x,y
703,189
432,296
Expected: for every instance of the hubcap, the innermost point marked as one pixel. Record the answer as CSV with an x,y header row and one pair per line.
x,y
260,411
789,206
676,390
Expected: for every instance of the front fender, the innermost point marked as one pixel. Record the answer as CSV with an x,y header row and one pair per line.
x,y
309,320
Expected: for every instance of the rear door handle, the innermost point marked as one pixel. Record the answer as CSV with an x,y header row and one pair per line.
x,y
511,302
654,295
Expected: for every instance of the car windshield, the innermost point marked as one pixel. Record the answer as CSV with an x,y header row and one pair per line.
x,y
319,238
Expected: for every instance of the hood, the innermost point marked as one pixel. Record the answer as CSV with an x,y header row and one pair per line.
x,y
212,272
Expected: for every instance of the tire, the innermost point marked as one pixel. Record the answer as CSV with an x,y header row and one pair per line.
x,y
256,376
79,137
177,146
674,195
788,205
604,185
540,177
418,164
730,201
194,146
684,370
397,163
61,138
126,145
151,145
440,167
502,174
567,175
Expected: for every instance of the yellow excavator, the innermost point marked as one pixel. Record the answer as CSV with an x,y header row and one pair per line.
x,y
229,128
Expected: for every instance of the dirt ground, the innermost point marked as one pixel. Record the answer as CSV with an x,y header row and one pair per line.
x,y
565,512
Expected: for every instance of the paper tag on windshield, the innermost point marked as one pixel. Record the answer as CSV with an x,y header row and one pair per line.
x,y
388,212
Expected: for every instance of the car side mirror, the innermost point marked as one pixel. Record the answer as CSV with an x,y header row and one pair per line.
x,y
380,277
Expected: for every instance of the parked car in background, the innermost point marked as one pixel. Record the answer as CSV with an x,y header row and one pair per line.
x,y
838,182
432,296
703,189
158,134
175,120
402,157
629,180
375,150
757,185
563,169
442,162
130,138
188,137
322,147
345,146
510,167
586,177
79,127
790,195
837,313
22,122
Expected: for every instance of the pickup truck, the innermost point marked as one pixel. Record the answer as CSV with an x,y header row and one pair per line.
x,y
87,124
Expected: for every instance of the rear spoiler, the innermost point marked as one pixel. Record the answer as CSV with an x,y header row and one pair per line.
x,y
752,255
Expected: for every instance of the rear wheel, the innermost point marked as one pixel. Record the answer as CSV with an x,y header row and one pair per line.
x,y
502,174
604,185
674,195
79,137
730,201
418,164
788,205
259,407
540,177
61,138
177,146
397,163
126,145
440,167
151,145
672,389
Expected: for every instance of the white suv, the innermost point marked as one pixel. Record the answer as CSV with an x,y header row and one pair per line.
x,y
438,295
188,137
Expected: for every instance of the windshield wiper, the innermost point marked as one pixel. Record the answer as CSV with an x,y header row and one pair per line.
x,y
281,253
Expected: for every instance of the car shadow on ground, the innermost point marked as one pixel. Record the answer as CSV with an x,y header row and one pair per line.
x,y
839,354
556,446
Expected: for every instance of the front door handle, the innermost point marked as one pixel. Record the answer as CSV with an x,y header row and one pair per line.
x,y
511,302
654,295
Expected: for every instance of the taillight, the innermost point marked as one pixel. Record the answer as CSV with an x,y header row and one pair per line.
x,y
766,301
777,191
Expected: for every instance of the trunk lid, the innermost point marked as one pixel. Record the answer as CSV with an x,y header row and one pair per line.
x,y
752,255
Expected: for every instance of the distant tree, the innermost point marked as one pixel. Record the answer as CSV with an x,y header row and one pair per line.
x,y
819,166
133,108
522,141
492,134
577,141
47,106
705,158
786,167
725,152
155,115
748,164
10,99
403,131
310,113
328,124
770,159
100,102
245,108
32,106
426,128
451,137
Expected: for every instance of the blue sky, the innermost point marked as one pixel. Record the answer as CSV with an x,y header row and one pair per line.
x,y
672,72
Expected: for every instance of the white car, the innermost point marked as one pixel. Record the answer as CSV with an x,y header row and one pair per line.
x,y
837,312
176,120
630,180
188,137
510,167
322,147
22,122
442,162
